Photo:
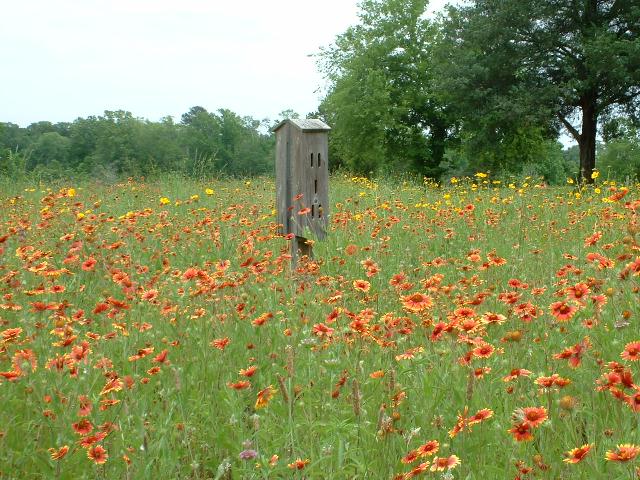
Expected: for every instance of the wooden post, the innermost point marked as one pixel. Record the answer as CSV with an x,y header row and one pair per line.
x,y
302,182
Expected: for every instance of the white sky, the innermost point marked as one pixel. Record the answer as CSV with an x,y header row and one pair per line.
x,y
65,59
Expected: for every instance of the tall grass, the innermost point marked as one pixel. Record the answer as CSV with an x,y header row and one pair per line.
x,y
351,375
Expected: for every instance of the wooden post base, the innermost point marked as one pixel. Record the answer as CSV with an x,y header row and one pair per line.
x,y
299,249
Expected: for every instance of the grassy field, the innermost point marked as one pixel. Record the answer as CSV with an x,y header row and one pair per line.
x,y
477,330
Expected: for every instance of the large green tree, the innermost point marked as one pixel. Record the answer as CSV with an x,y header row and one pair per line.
x,y
379,103
570,63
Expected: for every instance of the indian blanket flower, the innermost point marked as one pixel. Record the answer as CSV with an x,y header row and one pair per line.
x,y
631,351
264,396
98,454
532,416
85,406
410,457
113,385
440,464
521,432
563,311
240,385
322,330
83,427
554,380
483,351
515,373
220,343
429,448
576,455
89,264
298,464
578,291
416,302
623,453
10,335
480,416
57,454
249,371
362,285
574,354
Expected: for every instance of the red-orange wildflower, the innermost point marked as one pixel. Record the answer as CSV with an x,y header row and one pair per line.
x,y
162,357
532,416
576,455
10,335
521,432
515,373
361,285
57,454
89,264
298,464
85,406
410,457
239,385
249,371
113,385
483,351
220,343
631,351
624,453
578,291
321,330
563,311
98,454
429,448
83,427
593,239
143,352
574,353
416,302
262,319
417,470
554,380
634,400
480,416
490,317
440,464
264,396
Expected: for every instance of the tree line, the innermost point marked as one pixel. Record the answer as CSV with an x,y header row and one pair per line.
x,y
117,144
489,85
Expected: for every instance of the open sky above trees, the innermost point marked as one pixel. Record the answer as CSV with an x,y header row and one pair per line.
x,y
71,58
488,85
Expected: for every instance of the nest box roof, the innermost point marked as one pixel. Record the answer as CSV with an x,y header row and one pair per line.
x,y
305,124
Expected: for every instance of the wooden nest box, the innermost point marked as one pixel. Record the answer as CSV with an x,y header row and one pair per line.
x,y
302,180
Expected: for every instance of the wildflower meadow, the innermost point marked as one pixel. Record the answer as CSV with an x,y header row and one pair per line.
x,y
477,329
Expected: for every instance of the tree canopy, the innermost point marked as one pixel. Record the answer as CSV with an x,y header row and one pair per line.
x,y
505,64
493,81
379,103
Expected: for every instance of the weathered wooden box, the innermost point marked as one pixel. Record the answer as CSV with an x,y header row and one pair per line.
x,y
302,176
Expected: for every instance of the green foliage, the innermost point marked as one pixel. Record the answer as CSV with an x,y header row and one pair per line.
x,y
620,157
524,152
379,104
13,164
117,144
508,64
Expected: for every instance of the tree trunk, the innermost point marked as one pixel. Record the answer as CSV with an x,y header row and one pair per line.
x,y
587,141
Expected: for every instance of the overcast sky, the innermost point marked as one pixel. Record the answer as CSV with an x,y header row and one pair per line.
x,y
65,59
